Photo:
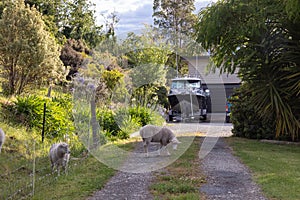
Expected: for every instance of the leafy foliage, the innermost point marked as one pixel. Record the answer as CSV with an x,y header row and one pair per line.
x,y
72,56
112,78
28,111
28,54
107,121
81,23
68,19
147,58
125,121
142,114
262,42
246,119
175,17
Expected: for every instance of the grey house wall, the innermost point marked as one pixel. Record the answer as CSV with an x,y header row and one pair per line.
x,y
221,86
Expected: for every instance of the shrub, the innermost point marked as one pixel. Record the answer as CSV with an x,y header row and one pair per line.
x,y
124,121
107,122
128,126
29,111
141,114
246,120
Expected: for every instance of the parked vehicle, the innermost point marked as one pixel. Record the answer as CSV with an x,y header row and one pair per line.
x,y
228,111
187,99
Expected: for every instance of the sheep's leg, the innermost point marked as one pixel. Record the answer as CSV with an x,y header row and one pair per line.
x,y
165,149
52,166
146,148
58,171
65,169
168,153
160,148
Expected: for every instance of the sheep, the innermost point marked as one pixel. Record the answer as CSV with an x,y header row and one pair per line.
x,y
164,136
2,138
59,155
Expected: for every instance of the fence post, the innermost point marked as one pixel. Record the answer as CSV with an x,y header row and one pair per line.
x,y
44,113
33,170
44,120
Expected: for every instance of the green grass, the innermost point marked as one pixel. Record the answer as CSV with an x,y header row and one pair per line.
x,y
182,179
275,167
18,159
84,177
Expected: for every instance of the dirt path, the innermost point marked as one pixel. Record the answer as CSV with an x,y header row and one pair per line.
x,y
227,178
126,185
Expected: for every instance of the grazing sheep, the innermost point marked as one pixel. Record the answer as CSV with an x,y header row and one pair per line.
x,y
164,136
59,156
2,138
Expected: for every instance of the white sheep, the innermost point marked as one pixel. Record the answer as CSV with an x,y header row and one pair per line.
x,y
164,136
2,138
59,156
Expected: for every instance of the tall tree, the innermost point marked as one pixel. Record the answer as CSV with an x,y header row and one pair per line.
x,y
81,24
175,18
70,19
262,40
72,55
28,54
55,15
147,55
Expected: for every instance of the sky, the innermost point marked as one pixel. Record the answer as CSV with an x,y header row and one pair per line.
x,y
133,14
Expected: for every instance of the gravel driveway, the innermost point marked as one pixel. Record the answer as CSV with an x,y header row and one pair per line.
x,y
227,178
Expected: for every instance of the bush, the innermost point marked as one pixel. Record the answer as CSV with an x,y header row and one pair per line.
x,y
128,126
124,121
141,114
107,122
29,111
246,120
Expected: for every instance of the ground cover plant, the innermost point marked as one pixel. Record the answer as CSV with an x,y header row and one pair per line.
x,y
26,173
275,167
181,179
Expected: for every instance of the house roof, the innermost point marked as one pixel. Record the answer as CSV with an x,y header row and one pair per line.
x,y
198,67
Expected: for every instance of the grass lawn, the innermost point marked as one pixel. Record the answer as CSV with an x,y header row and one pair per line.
x,y
275,167
181,179
18,179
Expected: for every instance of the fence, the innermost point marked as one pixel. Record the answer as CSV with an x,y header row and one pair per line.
x,y
22,174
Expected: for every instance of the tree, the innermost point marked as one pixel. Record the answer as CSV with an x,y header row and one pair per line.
x,y
262,41
3,4
72,55
54,14
147,55
81,23
111,20
70,19
175,17
28,54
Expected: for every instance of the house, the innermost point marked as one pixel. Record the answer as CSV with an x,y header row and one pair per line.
x,y
221,86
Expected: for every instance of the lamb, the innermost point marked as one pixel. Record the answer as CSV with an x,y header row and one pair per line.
x,y
2,138
59,156
164,136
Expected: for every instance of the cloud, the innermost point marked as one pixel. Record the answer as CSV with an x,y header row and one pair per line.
x,y
133,13
134,21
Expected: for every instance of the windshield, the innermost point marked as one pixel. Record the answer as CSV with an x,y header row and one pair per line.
x,y
185,84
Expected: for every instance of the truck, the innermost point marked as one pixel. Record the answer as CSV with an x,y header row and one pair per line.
x,y
188,100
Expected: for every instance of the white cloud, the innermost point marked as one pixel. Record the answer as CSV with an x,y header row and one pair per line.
x,y
133,13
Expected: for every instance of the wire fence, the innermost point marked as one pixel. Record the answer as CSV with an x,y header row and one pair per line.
x,y
21,175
